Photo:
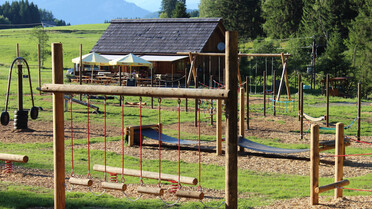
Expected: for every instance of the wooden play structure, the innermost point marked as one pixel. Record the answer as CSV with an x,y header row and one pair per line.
x,y
315,189
10,158
229,95
326,117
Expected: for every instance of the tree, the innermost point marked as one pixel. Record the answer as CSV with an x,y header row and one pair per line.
x,y
167,7
243,16
359,46
209,8
4,21
41,37
194,13
180,11
282,17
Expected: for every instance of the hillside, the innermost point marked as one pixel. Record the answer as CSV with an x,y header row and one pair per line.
x,y
70,36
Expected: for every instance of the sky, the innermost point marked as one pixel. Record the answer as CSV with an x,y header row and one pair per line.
x,y
154,5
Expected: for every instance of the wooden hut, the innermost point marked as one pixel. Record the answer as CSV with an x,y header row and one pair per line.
x,y
159,40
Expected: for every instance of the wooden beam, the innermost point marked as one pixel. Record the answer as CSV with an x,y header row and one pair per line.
x,y
284,62
219,128
241,116
58,128
247,90
39,66
239,55
137,91
157,191
327,97
190,194
264,93
314,164
359,109
14,158
145,174
335,185
339,160
231,168
81,182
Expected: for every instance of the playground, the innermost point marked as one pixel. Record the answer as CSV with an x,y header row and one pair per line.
x,y
96,147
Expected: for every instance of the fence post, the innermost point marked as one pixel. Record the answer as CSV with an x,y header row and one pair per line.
x,y
314,164
339,161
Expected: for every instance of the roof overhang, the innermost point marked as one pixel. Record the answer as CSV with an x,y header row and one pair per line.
x,y
156,58
150,58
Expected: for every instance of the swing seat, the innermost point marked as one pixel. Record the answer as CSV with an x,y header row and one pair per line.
x,y
190,194
157,191
81,182
114,186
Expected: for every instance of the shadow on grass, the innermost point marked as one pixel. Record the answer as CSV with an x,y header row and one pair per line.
x,y
28,199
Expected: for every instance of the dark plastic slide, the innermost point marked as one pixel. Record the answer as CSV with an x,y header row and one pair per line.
x,y
246,143
153,134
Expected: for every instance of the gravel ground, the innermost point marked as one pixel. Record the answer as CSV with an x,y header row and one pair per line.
x,y
280,127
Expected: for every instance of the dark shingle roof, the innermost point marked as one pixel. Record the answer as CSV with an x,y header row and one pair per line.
x,y
158,36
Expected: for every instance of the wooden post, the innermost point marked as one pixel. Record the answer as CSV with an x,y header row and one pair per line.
x,y
339,161
247,90
152,85
219,128
302,110
314,164
211,87
231,168
241,116
39,66
81,69
58,128
264,93
274,88
186,86
196,105
359,109
327,96
17,51
298,92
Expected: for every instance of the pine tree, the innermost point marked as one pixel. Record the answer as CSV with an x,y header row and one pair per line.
x,y
167,7
180,11
282,17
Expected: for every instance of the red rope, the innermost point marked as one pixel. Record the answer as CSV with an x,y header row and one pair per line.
x,y
179,142
199,147
88,136
122,141
362,190
140,116
72,140
105,136
159,101
360,141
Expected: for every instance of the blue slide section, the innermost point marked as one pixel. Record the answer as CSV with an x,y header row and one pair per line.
x,y
153,134
246,143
